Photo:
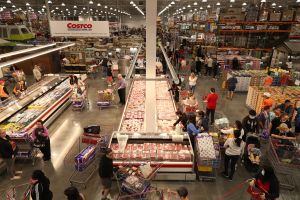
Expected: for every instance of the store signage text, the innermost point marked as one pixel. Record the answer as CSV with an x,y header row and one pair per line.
x,y
79,27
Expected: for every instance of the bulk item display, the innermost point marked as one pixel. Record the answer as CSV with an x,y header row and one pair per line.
x,y
85,157
278,94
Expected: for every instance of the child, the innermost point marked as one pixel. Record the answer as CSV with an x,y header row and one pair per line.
x,y
254,153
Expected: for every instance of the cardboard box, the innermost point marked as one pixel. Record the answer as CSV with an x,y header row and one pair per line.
x,y
288,15
274,17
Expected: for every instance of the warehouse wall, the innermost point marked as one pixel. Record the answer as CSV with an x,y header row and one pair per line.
x,y
135,22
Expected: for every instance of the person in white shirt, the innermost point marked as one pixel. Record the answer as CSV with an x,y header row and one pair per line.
x,y
210,62
233,151
192,82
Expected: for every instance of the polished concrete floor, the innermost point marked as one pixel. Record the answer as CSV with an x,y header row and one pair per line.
x,y
65,142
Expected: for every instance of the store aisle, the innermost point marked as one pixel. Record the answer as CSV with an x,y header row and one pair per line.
x,y
66,130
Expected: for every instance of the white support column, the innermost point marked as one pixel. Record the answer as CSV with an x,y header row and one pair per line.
x,y
150,116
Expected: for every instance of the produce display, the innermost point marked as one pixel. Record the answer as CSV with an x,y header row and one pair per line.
x,y
164,107
134,113
153,152
23,118
278,94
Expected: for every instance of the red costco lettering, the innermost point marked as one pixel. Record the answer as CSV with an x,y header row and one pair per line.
x,y
79,26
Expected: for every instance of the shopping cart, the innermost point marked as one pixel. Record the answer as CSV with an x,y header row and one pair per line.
x,y
134,181
106,98
284,156
207,167
79,102
18,192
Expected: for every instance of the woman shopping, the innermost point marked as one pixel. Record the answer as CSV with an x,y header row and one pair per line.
x,y
192,82
41,138
232,154
265,185
192,129
40,189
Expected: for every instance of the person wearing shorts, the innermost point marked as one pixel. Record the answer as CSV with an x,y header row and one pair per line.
x,y
231,84
106,173
109,78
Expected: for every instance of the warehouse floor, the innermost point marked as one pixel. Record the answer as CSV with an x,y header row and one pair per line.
x,y
65,136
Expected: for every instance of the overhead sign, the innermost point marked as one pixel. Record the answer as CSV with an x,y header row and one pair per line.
x,y
79,28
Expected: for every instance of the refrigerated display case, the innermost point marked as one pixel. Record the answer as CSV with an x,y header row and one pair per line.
x,y
176,158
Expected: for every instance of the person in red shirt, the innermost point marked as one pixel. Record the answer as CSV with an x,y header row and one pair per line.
x,y
211,104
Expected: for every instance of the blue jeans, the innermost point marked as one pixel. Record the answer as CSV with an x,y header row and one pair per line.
x,y
104,71
192,88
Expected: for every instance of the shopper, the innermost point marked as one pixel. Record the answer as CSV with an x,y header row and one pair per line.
x,y
40,189
231,84
264,121
3,91
286,108
209,66
235,64
268,80
41,138
283,132
192,82
74,59
267,183
250,123
182,118
239,126
216,67
37,73
72,193
104,64
275,123
175,91
19,88
182,192
121,89
198,64
211,104
268,101
106,173
109,76
192,129
8,150
202,121
232,153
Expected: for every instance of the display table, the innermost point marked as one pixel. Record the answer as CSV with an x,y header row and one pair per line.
x,y
174,157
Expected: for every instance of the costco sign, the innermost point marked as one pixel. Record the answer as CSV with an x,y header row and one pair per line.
x,y
79,29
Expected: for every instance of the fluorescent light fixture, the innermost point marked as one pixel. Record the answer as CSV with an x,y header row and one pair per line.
x,y
8,1
18,60
218,4
232,1
75,7
105,7
208,6
91,2
201,8
273,4
204,1
131,2
172,3
98,4
195,3
63,4
188,6
263,1
27,4
13,6
244,4
183,8
49,1
280,6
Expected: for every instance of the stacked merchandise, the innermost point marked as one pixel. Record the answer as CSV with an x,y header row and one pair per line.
x,y
278,94
85,157
208,156
164,107
134,115
153,151
226,60
23,118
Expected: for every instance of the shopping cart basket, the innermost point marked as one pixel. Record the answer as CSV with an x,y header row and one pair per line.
x,y
106,98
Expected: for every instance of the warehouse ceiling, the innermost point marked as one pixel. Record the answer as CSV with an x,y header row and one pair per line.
x,y
134,7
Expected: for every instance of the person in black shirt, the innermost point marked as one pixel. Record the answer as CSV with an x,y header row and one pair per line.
x,y
109,76
286,108
40,189
275,123
106,172
175,91
283,132
181,118
250,123
7,153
